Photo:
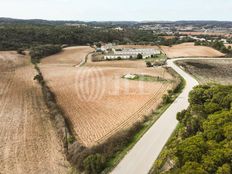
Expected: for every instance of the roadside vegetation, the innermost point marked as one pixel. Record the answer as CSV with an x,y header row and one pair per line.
x,y
202,142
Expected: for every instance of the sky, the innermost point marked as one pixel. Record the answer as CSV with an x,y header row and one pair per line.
x,y
118,10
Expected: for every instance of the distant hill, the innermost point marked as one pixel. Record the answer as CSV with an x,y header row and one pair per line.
x,y
227,24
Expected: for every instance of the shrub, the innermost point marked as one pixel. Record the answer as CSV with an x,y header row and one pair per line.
x,y
94,164
149,64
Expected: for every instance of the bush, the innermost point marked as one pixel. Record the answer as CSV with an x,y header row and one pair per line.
x,y
149,64
95,159
20,51
94,164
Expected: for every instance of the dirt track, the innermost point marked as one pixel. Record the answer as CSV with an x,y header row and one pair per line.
x,y
28,141
189,50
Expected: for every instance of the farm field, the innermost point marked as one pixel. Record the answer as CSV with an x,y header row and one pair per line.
x,y
71,55
28,141
189,50
206,33
215,71
99,102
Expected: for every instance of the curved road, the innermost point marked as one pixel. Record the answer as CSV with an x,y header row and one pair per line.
x,y
142,156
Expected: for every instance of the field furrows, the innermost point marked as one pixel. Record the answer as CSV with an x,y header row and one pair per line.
x,y
28,141
97,119
145,109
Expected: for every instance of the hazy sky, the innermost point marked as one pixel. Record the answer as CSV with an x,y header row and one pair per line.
x,y
122,10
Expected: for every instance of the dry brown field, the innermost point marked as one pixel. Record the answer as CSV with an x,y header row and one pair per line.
x,y
99,102
209,71
168,37
207,33
189,50
28,141
227,45
71,55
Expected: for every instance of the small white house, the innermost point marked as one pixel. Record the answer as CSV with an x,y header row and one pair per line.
x,y
130,76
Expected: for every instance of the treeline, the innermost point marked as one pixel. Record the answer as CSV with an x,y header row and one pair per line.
x,y
202,142
218,45
39,52
24,36
174,41
15,36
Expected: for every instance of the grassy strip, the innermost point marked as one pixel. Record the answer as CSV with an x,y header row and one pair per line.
x,y
146,78
57,115
160,57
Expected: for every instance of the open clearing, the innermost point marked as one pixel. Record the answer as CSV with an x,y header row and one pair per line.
x,y
99,102
28,141
189,50
209,71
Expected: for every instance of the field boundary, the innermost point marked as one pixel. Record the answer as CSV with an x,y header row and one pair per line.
x,y
60,121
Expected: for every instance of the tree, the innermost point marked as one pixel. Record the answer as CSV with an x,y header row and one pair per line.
x,y
225,169
149,64
192,168
139,56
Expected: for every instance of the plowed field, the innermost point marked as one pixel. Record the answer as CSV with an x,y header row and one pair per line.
x,y
189,50
28,141
99,102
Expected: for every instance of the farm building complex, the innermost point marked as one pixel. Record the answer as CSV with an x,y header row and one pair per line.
x,y
129,53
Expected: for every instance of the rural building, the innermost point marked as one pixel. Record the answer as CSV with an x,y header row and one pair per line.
x,y
129,53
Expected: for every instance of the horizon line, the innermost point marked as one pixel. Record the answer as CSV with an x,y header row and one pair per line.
x,y
139,21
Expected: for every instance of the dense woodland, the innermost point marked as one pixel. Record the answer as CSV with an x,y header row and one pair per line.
x,y
15,36
203,142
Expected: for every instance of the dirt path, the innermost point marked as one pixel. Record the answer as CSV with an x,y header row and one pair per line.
x,y
28,141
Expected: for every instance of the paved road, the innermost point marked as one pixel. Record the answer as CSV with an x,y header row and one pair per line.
x,y
142,156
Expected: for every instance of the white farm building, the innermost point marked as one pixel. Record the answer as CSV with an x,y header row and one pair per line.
x,y
129,53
